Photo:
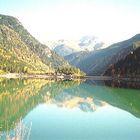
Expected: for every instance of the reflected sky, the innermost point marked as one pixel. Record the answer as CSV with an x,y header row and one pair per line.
x,y
108,122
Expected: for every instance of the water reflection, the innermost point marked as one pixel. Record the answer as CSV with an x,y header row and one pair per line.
x,y
19,97
123,84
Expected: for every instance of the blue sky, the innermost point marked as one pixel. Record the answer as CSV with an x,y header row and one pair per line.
x,y
110,20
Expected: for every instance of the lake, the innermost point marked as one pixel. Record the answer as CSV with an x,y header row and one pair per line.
x,y
69,110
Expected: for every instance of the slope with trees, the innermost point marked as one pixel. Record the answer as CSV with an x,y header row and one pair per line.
x,y
127,67
45,54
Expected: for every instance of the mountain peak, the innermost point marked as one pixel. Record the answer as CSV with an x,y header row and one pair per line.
x,y
67,47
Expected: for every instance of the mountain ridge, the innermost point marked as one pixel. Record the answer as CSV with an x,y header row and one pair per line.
x,y
21,52
45,54
97,62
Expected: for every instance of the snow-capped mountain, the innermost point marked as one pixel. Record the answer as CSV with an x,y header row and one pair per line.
x,y
91,43
67,47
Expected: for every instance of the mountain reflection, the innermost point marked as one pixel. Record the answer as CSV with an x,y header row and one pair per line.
x,y
123,84
86,104
19,97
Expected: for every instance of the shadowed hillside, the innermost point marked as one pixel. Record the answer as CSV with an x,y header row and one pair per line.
x,y
127,67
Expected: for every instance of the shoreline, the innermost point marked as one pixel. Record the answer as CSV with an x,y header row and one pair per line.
x,y
38,76
66,77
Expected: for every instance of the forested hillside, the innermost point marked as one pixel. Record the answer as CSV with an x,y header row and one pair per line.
x,y
21,52
127,67
15,56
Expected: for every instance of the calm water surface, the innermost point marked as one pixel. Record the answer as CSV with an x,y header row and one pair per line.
x,y
70,110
